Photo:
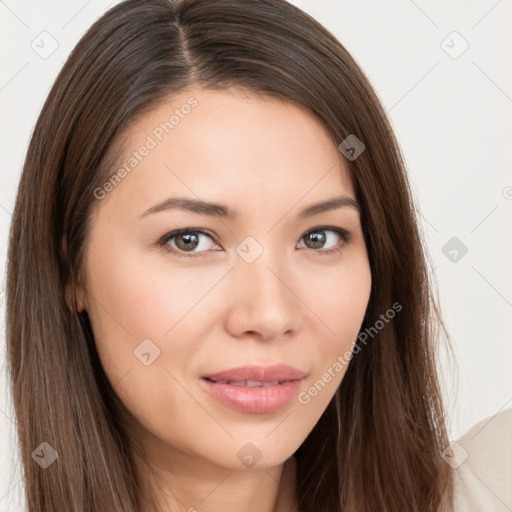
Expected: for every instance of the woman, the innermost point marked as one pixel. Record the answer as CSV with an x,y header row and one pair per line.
x,y
217,293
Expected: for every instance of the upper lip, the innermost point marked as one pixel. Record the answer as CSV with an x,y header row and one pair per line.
x,y
281,373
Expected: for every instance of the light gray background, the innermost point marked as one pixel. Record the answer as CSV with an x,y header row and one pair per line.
x,y
451,111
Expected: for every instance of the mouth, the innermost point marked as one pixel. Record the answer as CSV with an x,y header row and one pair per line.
x,y
254,389
248,383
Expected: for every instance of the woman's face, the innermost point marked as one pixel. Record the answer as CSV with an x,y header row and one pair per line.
x,y
262,279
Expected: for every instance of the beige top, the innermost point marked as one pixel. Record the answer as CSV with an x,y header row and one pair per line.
x,y
482,463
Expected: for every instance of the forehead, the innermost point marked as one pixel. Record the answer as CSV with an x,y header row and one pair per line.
x,y
231,146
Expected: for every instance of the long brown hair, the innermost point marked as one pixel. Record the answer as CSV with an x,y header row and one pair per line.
x,y
378,444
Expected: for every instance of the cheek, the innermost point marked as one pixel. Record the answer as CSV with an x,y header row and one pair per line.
x,y
130,302
341,307
142,297
145,311
343,301
142,333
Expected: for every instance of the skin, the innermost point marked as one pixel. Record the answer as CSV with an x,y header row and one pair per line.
x,y
267,160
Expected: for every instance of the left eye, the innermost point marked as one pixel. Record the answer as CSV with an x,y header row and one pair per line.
x,y
187,240
317,239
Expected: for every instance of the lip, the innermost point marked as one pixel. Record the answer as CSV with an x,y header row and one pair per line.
x,y
280,372
259,399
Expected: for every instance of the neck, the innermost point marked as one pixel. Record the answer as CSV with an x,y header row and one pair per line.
x,y
195,485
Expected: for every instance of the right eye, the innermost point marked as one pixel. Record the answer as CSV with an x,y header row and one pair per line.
x,y
184,241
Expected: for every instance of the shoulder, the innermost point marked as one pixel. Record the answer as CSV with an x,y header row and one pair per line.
x,y
482,465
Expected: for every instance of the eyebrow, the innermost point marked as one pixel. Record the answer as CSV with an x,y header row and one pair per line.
x,y
222,211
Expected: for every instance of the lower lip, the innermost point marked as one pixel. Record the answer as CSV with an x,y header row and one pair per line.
x,y
254,400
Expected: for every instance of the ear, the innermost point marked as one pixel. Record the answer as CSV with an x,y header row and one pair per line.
x,y
75,296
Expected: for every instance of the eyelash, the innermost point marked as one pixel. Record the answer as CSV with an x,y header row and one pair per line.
x,y
346,238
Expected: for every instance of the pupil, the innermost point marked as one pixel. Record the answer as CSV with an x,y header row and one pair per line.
x,y
318,239
191,241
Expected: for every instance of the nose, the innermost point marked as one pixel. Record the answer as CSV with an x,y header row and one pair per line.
x,y
262,301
